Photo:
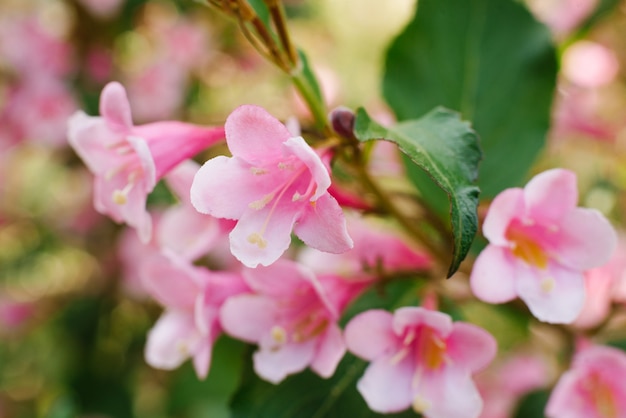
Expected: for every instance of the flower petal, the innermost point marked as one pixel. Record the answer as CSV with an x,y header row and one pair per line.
x,y
248,317
274,364
254,135
224,187
414,316
554,295
323,226
586,239
169,281
309,157
282,279
551,194
493,275
170,340
450,394
330,350
115,108
386,385
262,236
369,335
471,347
507,206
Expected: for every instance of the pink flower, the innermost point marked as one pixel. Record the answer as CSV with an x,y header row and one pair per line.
x,y
377,248
501,387
419,358
273,183
593,388
292,316
190,324
181,228
540,244
604,285
128,160
589,64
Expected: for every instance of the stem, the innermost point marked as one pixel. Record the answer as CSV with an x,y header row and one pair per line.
x,y
278,17
390,207
315,105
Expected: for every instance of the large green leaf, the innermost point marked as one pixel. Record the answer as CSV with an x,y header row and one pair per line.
x,y
488,59
446,148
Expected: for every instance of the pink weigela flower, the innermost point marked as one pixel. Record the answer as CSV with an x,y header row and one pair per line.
x,y
273,183
128,160
292,315
593,388
419,359
540,245
192,297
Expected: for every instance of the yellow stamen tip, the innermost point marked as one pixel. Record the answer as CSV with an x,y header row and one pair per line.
x,y
258,171
119,197
420,405
548,285
279,335
257,239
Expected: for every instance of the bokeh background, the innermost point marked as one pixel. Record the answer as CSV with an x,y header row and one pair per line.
x,y
73,315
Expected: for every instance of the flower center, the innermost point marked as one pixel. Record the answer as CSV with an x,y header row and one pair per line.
x,y
430,348
601,396
525,246
276,195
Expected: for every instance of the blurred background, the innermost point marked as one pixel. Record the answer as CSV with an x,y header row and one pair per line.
x,y
73,315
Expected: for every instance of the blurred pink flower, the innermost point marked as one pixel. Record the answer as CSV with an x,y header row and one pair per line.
x,y
31,50
14,314
181,228
562,16
419,358
539,245
377,248
604,285
37,109
502,386
192,297
589,64
158,91
273,183
594,387
292,316
128,160
576,112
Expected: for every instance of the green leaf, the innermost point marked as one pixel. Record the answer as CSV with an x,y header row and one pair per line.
x,y
489,60
604,8
446,148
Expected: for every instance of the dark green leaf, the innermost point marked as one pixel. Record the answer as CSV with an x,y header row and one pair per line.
x,y
488,59
533,405
309,75
446,148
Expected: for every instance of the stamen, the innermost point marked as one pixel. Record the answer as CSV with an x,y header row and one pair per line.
x,y
260,204
410,337
182,348
257,239
120,197
258,171
279,335
420,405
296,196
548,284
397,358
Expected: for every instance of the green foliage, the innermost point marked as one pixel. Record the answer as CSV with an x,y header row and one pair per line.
x,y
446,148
488,59
533,405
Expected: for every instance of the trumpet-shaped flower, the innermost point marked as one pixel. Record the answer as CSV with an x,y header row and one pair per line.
x,y
274,183
540,245
128,160
593,388
292,316
192,297
419,359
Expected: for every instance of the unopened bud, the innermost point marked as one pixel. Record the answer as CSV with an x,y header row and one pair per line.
x,y
342,120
